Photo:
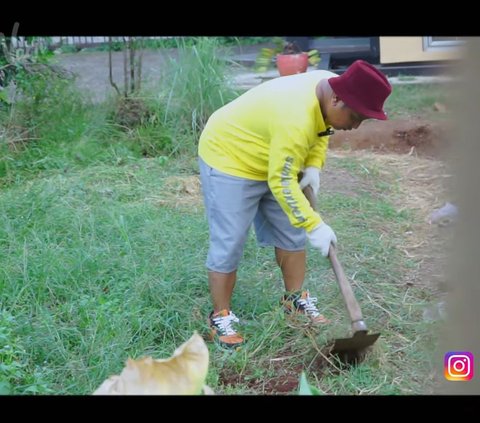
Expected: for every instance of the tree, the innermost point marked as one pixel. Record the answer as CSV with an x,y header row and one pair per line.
x,y
132,65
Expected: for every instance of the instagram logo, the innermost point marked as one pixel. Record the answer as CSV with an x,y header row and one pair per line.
x,y
458,366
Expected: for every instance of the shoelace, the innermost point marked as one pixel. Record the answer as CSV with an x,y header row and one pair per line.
x,y
225,323
309,305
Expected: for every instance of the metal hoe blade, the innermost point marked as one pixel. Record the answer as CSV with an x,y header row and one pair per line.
x,y
352,350
357,342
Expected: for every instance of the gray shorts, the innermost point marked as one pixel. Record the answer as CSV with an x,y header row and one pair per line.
x,y
232,204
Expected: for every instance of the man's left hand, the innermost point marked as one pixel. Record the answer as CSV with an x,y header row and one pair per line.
x,y
311,176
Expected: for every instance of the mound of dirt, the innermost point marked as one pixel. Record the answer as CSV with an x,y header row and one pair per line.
x,y
422,137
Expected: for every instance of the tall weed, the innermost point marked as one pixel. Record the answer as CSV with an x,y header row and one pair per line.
x,y
195,84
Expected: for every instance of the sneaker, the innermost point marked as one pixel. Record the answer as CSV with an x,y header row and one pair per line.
x,y
221,329
302,303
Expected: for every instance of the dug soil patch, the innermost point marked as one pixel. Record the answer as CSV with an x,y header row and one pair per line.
x,y
425,138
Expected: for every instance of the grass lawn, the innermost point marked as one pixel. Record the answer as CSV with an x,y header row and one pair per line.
x,y
107,262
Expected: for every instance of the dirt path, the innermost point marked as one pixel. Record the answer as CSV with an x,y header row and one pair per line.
x,y
91,68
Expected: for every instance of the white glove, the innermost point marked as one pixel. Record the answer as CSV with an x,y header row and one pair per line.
x,y
321,237
311,176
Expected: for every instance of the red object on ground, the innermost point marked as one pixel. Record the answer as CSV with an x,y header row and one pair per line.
x,y
290,64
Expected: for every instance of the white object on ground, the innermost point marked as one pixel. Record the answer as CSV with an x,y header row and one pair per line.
x,y
445,215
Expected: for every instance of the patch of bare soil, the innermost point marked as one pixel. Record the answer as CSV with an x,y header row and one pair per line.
x,y
180,192
283,376
284,382
425,138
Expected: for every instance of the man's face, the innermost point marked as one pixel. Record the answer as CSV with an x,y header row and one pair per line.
x,y
342,117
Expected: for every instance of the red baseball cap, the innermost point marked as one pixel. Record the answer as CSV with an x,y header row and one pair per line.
x,y
363,88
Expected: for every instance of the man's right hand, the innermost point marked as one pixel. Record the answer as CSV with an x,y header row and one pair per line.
x,y
321,237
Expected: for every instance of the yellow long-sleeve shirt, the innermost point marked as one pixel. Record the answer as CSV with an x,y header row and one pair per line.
x,y
269,134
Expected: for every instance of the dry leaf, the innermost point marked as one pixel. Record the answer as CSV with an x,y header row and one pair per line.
x,y
182,374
